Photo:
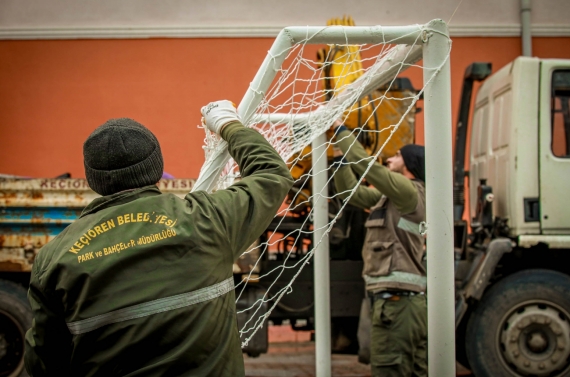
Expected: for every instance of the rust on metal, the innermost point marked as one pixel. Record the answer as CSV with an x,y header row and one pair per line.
x,y
33,211
67,192
16,265
37,195
21,239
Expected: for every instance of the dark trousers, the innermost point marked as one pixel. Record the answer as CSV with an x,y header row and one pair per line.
x,y
399,337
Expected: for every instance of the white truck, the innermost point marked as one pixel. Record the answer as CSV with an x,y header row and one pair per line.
x,y
512,268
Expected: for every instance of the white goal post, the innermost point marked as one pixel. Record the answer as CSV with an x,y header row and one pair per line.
x,y
431,43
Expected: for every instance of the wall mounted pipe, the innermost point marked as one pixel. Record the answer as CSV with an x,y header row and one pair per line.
x,y
526,36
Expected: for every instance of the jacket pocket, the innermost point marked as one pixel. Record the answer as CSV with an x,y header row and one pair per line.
x,y
375,223
379,246
378,258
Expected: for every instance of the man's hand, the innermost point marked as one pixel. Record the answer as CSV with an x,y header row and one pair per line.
x,y
337,152
338,126
216,115
339,159
337,123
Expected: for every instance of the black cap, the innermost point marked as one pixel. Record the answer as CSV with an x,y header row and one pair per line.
x,y
415,160
121,154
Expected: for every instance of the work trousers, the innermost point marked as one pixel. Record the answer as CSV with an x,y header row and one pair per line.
x,y
399,337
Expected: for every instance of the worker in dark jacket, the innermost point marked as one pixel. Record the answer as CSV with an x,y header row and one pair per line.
x,y
393,252
141,284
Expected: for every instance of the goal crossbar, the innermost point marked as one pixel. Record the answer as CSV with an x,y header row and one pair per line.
x,y
381,73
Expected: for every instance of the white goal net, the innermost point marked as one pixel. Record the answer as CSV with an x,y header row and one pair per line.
x,y
311,77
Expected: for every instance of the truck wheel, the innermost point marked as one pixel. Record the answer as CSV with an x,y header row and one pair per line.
x,y
15,320
522,327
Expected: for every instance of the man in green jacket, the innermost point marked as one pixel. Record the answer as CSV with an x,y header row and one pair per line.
x,y
141,284
393,251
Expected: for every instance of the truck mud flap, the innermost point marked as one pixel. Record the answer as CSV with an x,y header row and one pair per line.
x,y
483,274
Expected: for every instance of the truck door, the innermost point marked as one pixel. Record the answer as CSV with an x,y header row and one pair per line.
x,y
554,147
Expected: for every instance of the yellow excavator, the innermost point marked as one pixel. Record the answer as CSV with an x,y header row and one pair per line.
x,y
384,107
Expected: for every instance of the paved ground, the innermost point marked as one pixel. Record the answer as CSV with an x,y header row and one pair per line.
x,y
297,359
292,354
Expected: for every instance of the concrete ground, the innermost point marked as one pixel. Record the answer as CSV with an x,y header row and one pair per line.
x,y
297,359
292,354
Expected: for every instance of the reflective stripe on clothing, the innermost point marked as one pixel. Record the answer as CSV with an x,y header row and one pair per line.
x,y
397,276
409,226
152,307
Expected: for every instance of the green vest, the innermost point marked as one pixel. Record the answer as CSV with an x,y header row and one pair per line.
x,y
394,248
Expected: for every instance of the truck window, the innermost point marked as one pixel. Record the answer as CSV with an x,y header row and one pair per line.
x,y
560,113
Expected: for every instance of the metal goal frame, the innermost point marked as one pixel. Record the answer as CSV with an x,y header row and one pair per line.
x,y
429,42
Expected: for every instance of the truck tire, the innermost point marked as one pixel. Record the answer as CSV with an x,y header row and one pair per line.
x,y
522,327
15,320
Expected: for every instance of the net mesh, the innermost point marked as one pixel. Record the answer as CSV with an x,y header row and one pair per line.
x,y
313,87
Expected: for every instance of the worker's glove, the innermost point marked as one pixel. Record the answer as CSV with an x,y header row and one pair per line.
x,y
217,114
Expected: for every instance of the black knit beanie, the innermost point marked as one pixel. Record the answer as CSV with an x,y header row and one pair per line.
x,y
121,154
414,158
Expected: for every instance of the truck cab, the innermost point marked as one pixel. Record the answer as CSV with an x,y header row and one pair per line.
x,y
519,145
512,274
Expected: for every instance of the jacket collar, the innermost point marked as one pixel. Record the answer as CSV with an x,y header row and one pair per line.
x,y
118,198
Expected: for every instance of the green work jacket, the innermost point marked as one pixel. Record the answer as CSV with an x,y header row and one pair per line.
x,y
141,284
394,248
